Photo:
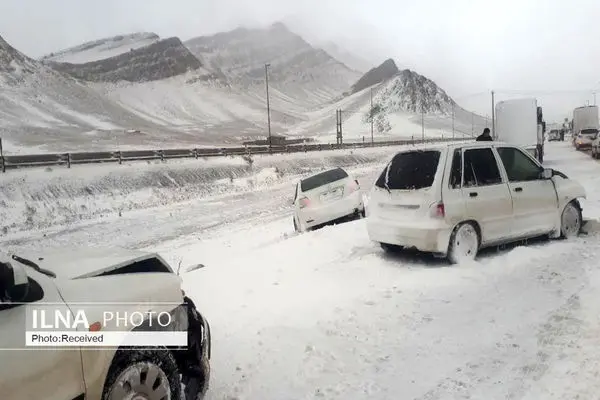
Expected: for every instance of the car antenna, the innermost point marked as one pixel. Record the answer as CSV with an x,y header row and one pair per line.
x,y
34,266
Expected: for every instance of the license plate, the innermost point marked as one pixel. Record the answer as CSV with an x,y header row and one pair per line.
x,y
332,195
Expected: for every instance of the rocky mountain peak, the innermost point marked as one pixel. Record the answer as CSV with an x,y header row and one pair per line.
x,y
376,75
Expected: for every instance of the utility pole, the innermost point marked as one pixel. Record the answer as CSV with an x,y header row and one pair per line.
x,y
594,98
372,138
338,127
423,121
452,120
268,105
472,124
493,117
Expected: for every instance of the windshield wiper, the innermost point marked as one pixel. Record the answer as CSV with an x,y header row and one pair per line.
x,y
34,266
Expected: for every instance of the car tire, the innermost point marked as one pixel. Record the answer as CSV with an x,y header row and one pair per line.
x,y
155,370
464,243
571,220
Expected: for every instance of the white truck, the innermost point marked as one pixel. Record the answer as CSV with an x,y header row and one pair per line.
x,y
585,126
520,122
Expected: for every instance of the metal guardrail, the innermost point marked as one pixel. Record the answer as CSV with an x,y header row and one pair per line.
x,y
69,159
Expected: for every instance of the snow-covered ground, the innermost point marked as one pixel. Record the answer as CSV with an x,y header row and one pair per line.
x,y
38,198
327,315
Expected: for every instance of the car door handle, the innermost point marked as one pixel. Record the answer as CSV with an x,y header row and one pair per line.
x,y
473,194
518,189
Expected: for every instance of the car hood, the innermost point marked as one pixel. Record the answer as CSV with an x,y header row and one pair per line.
x,y
84,262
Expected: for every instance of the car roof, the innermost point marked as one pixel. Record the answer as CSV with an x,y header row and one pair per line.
x,y
454,145
84,262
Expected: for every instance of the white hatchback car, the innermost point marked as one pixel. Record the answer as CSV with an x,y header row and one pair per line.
x,y
326,197
455,199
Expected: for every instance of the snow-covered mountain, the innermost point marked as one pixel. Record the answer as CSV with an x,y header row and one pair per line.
x,y
103,48
304,73
40,106
159,60
376,75
207,91
402,102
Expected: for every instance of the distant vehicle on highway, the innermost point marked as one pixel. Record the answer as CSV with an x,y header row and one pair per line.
x,y
326,197
554,135
585,126
452,200
585,138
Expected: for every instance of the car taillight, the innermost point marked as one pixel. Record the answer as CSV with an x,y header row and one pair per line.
x,y
304,202
438,210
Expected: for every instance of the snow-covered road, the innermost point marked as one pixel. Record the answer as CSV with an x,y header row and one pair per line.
x,y
327,315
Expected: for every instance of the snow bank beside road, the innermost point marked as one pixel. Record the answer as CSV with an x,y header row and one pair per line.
x,y
32,199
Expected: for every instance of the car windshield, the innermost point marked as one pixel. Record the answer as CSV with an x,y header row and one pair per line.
x,y
589,132
323,178
410,170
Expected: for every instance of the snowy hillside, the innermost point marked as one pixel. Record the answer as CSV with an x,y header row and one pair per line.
x,y
159,60
399,99
302,72
103,48
39,106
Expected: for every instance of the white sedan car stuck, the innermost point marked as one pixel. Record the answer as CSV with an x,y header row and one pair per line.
x,y
326,197
455,199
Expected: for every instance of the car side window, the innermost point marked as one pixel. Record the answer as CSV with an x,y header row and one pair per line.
x,y
456,170
480,168
519,167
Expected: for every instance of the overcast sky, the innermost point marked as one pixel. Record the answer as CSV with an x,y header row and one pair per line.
x,y
545,48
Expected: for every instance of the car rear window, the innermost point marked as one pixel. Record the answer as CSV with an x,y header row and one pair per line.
x,y
322,179
410,170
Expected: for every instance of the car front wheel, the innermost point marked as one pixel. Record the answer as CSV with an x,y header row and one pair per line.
x,y
571,220
143,374
464,243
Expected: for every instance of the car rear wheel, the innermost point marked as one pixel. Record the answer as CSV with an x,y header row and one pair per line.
x,y
464,243
143,374
571,221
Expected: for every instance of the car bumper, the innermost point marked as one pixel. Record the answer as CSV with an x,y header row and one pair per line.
x,y
315,216
427,236
195,366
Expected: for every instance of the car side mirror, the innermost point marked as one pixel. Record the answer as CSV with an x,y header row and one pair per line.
x,y
14,282
547,173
